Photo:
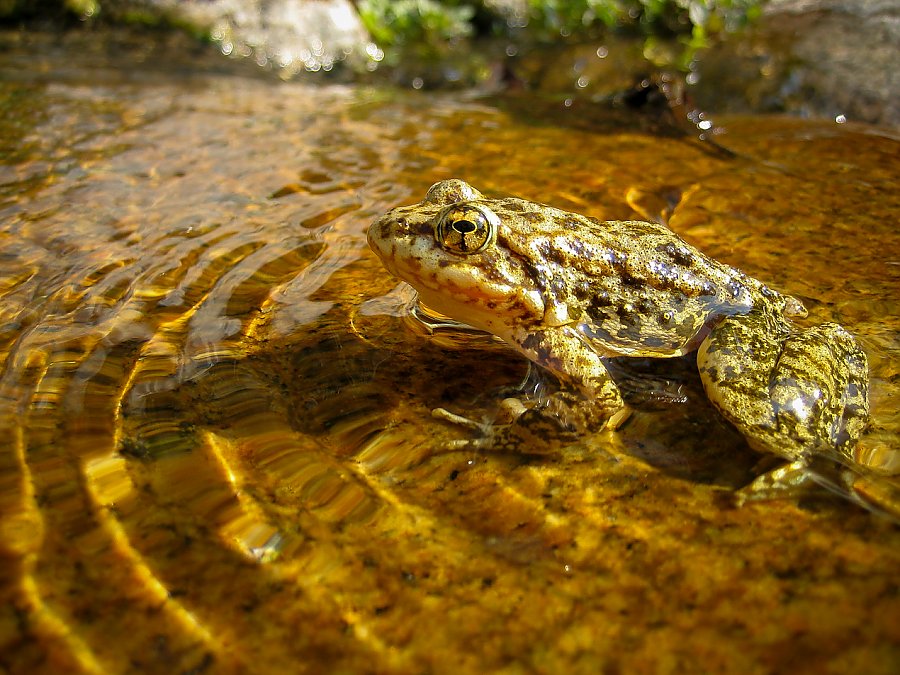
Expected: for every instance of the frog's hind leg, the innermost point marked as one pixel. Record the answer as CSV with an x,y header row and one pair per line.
x,y
798,394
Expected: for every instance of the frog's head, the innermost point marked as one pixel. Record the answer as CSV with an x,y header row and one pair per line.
x,y
451,248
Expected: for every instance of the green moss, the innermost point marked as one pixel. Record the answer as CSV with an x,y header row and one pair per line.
x,y
424,29
436,21
428,22
650,17
83,8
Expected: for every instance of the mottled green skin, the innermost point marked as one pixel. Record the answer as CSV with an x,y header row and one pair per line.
x,y
568,291
790,392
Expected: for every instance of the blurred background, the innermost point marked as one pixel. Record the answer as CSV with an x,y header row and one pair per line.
x,y
824,58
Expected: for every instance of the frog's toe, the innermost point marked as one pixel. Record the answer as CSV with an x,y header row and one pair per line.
x,y
510,410
618,419
787,481
480,440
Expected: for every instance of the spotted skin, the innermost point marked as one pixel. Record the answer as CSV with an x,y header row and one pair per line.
x,y
568,291
792,393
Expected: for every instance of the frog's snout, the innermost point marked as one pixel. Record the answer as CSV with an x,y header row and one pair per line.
x,y
377,234
391,232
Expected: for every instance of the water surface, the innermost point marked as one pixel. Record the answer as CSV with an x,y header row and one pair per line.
x,y
217,451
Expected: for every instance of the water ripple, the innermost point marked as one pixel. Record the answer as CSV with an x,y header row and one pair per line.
x,y
216,442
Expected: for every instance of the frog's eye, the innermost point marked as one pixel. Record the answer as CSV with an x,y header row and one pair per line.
x,y
465,228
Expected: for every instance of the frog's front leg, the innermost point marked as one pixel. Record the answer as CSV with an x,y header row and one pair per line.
x,y
794,393
588,401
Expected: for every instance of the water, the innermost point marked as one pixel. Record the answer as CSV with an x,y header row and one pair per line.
x,y
217,450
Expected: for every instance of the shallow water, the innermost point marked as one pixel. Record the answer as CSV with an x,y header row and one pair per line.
x,y
217,452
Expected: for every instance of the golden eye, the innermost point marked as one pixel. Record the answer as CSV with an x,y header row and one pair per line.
x,y
464,228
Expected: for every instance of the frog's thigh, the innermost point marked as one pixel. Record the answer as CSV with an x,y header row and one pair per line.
x,y
789,393
563,351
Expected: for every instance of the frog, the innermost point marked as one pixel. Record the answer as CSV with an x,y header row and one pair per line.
x,y
569,292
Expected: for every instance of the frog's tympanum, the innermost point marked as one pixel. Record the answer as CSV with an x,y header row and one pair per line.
x,y
569,291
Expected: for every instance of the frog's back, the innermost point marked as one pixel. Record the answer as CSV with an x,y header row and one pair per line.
x,y
633,287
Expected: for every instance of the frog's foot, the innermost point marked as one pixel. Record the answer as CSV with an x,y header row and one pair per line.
x,y
789,481
821,476
459,420
516,429
797,395
509,411
536,430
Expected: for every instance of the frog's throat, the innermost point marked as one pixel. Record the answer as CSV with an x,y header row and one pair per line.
x,y
505,310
